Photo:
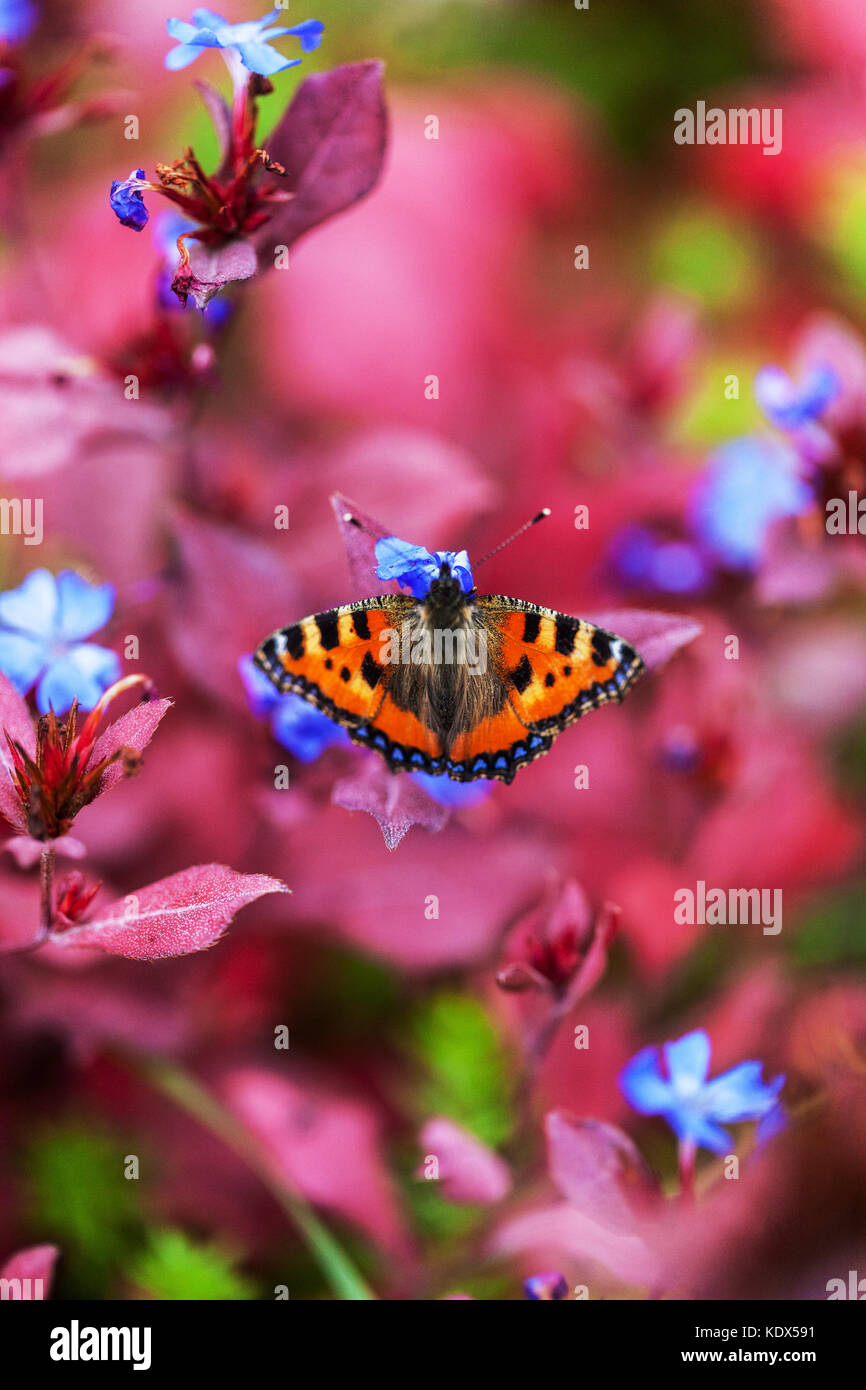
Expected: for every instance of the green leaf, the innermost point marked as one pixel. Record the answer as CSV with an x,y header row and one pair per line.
x,y
173,1266
79,1198
467,1075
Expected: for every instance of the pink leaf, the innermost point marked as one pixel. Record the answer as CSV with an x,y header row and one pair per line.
x,y
26,851
360,542
654,636
469,1172
598,1169
229,592
393,799
331,143
182,913
559,1230
134,730
35,1263
57,406
211,267
325,1144
15,719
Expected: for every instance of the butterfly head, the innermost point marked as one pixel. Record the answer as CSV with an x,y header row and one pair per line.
x,y
446,599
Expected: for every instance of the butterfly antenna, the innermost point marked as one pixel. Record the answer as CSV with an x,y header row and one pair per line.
x,y
545,512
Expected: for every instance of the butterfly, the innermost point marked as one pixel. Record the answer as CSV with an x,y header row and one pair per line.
x,y
448,681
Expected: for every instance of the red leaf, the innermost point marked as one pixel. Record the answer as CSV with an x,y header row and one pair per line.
x,y
180,914
35,1262
360,542
211,267
393,799
331,143
15,719
134,729
324,1143
655,636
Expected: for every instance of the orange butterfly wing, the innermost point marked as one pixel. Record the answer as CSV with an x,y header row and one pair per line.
x,y
333,660
555,669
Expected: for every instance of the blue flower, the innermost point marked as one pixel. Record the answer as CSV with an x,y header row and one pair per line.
x,y
694,1106
17,18
789,406
127,202
455,794
644,560
415,568
250,40
42,626
546,1287
298,726
748,485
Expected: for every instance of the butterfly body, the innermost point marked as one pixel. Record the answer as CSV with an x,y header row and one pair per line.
x,y
454,683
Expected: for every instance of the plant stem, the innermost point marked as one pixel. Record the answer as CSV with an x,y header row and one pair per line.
x,y
46,888
341,1273
688,1152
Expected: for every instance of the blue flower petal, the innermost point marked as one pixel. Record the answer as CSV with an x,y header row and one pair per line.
x,y
182,56
82,608
260,690
700,1129
455,794
17,18
83,673
32,607
748,485
688,1060
415,568
643,1085
790,406
258,57
304,730
741,1094
127,202
251,40
21,659
309,32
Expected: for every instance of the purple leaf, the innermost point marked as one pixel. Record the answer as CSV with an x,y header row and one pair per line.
x,y
469,1172
15,719
655,636
180,914
134,730
331,143
395,801
211,267
360,542
598,1169
221,117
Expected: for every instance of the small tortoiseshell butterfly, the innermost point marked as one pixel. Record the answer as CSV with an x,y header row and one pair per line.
x,y
449,681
